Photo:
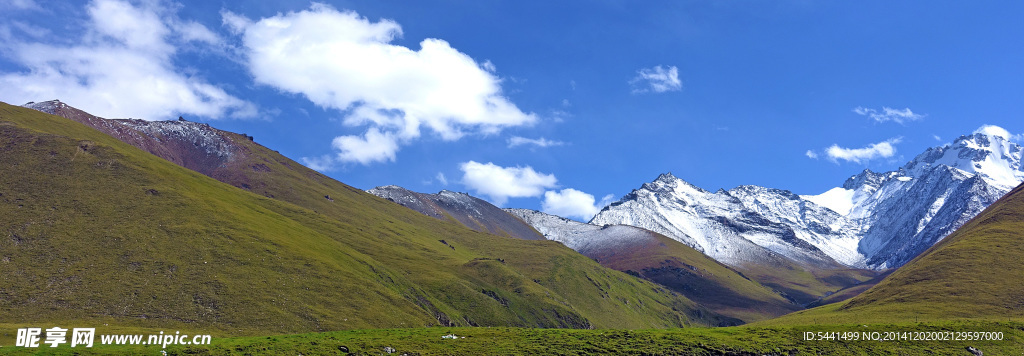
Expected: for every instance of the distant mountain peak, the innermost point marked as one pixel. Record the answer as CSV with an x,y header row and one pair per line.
x,y
987,152
666,177
866,177
667,183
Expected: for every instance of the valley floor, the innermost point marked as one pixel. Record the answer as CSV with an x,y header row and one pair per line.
x,y
776,340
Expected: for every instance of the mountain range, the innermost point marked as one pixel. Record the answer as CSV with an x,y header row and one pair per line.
x,y
746,296
874,220
801,247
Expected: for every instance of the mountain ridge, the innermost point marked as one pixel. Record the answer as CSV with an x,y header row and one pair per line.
x,y
463,208
873,220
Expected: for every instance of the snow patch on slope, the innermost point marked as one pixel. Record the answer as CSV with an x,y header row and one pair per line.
x,y
838,199
581,236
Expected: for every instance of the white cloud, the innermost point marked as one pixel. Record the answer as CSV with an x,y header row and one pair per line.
x,y
340,60
657,79
122,66
322,163
937,137
500,183
441,178
373,146
488,66
882,149
811,154
888,114
993,130
572,203
539,142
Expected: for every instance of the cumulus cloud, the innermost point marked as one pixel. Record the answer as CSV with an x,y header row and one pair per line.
x,y
572,203
343,61
373,146
515,141
888,114
500,183
658,79
811,154
884,149
993,130
121,66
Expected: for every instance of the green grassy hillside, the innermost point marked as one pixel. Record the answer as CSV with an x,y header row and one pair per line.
x,y
974,273
95,230
801,284
700,278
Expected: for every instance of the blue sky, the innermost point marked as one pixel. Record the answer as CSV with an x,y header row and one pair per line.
x,y
540,105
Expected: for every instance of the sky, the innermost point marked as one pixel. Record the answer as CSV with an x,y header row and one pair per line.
x,y
556,106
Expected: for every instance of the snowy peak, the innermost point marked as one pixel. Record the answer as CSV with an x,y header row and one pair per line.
x,y
668,183
988,152
742,225
900,213
667,177
867,178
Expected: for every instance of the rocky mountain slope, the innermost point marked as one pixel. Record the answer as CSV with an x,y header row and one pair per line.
x,y
663,260
465,209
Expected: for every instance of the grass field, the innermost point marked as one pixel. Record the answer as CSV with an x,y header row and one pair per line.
x,y
790,340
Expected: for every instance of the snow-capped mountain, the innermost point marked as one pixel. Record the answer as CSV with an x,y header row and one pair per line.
x,y
875,220
903,212
747,224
